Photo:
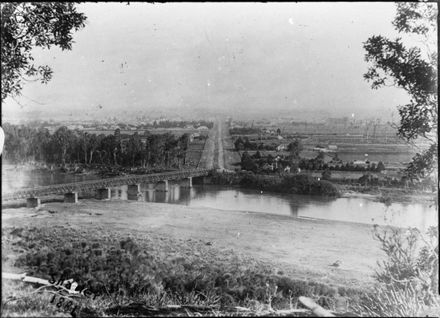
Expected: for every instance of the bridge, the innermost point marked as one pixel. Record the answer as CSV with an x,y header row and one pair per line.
x,y
155,181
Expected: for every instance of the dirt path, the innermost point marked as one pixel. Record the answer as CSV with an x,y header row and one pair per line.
x,y
300,248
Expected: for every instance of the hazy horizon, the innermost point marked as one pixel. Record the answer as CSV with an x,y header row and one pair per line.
x,y
236,59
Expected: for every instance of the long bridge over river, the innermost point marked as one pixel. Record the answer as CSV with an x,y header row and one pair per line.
x,y
156,181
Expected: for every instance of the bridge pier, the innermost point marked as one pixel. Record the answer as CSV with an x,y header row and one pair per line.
x,y
33,202
150,195
207,180
71,197
134,191
162,186
188,182
103,194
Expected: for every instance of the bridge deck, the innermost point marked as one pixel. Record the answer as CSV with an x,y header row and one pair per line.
x,y
103,183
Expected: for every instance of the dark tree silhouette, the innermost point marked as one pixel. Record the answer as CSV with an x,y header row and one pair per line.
x,y
414,70
27,25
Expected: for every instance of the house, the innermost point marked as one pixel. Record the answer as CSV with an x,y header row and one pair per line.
x,y
202,128
194,136
281,147
268,167
360,163
332,147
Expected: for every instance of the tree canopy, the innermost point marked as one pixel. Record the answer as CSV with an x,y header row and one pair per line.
x,y
295,148
27,25
413,69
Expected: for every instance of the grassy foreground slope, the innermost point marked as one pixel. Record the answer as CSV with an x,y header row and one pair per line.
x,y
157,254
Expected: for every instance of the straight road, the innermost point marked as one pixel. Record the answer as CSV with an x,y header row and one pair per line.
x,y
227,156
218,152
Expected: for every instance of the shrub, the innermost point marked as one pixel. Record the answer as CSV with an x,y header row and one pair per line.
x,y
305,184
325,188
326,175
408,278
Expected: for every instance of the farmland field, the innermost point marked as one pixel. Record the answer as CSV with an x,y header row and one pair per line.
x,y
394,155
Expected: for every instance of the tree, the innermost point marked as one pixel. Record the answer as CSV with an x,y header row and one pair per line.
x,y
239,144
134,148
62,138
422,165
33,24
380,166
414,70
40,142
295,148
326,174
93,144
320,157
109,146
247,144
269,159
247,163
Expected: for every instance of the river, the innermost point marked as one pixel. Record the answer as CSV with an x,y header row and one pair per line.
x,y
355,209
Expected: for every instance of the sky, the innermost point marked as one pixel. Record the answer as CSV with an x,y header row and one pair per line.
x,y
266,59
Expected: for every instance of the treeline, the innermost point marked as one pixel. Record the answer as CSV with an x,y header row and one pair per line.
x,y
285,183
177,124
245,144
66,146
244,131
257,163
337,165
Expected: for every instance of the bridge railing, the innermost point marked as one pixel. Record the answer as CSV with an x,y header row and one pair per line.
x,y
106,182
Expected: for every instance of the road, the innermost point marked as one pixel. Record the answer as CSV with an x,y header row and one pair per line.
x,y
207,158
219,151
224,155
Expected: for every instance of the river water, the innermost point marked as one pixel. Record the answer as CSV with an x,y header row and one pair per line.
x,y
358,210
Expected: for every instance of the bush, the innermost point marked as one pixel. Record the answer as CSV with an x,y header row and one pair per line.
x,y
325,188
408,278
289,183
305,184
326,175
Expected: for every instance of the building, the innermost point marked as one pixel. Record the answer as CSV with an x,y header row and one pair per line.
x,y
194,136
360,163
281,147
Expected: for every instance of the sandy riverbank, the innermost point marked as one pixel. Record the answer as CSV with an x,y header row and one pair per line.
x,y
300,248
